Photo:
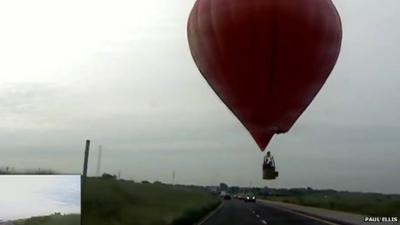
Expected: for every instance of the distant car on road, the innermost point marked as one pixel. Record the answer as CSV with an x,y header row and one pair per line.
x,y
250,198
240,196
227,197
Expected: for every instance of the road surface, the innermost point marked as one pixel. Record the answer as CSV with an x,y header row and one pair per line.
x,y
236,212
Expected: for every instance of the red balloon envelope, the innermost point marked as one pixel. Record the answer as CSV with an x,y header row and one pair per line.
x,y
265,59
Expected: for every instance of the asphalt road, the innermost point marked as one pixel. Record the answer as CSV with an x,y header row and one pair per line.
x,y
236,212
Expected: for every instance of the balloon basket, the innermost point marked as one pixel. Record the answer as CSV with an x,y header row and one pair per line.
x,y
270,174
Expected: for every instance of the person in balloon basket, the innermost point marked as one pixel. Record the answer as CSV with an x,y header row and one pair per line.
x,y
269,167
269,161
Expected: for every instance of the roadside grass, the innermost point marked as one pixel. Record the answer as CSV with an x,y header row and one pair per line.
x,y
71,219
117,202
192,215
360,203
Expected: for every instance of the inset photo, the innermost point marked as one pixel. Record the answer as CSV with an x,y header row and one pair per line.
x,y
40,199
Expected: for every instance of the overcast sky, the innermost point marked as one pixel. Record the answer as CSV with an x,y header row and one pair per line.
x,y
121,74
24,196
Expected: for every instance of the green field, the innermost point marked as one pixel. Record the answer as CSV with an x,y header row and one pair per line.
x,y
13,171
360,203
72,219
115,202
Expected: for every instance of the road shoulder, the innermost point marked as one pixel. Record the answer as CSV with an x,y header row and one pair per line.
x,y
209,215
329,216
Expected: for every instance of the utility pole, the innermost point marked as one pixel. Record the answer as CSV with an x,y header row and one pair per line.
x,y
99,161
85,162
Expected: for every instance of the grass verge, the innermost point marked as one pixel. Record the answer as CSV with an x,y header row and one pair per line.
x,y
359,203
116,202
193,215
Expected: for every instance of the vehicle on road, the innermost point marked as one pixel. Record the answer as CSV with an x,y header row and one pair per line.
x,y
250,198
240,196
225,195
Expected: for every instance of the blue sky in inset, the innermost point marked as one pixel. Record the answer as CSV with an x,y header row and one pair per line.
x,y
23,196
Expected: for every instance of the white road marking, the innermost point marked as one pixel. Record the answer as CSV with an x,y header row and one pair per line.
x,y
211,214
264,222
258,216
301,214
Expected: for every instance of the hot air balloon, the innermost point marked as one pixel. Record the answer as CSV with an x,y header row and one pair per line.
x,y
265,59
